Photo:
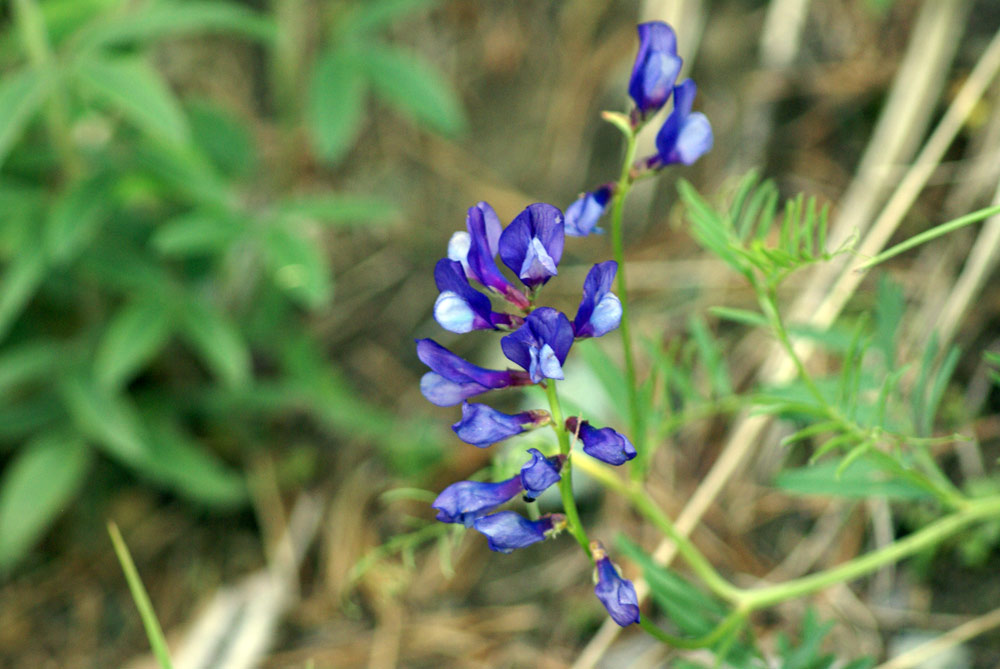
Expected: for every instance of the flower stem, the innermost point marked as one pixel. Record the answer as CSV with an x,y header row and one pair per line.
x,y
638,498
566,481
728,625
618,249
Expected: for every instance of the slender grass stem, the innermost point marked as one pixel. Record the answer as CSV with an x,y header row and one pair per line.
x,y
566,481
728,625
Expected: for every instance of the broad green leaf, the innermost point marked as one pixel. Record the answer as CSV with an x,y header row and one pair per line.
x,y
197,233
18,284
35,488
223,139
177,18
137,91
862,479
134,335
217,340
339,209
179,462
21,95
414,87
336,103
22,419
110,420
299,266
76,216
182,170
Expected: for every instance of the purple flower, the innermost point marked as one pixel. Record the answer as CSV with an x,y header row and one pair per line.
x,y
460,307
541,344
684,137
656,67
508,530
482,425
616,593
539,473
477,249
532,244
604,444
465,501
582,215
600,310
453,379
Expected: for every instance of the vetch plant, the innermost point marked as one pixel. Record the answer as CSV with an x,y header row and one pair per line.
x,y
872,434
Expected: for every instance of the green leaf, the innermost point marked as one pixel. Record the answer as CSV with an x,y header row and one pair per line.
x,y
414,88
76,215
299,267
18,284
35,488
129,85
861,480
197,233
223,138
744,316
21,95
178,461
218,341
378,14
336,103
135,334
711,357
27,363
111,421
339,209
175,19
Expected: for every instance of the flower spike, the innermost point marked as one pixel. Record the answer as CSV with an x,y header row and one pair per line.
x,y
541,344
605,444
600,310
532,245
684,137
582,216
656,68
540,473
509,530
453,379
616,593
465,501
482,425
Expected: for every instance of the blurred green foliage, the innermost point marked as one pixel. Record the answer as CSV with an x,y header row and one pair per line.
x,y
154,286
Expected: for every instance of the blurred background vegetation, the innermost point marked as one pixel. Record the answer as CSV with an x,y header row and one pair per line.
x,y
218,222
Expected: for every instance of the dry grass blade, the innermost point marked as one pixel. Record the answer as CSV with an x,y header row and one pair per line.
x,y
918,656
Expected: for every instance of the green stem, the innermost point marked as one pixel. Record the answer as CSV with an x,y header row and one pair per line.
x,y
638,498
728,625
933,233
618,249
574,525
929,536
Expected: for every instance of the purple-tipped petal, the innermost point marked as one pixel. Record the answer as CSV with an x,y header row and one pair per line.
x,y
605,444
532,245
465,501
582,216
656,67
684,137
616,593
453,379
539,473
459,307
508,530
600,310
541,344
484,239
482,425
